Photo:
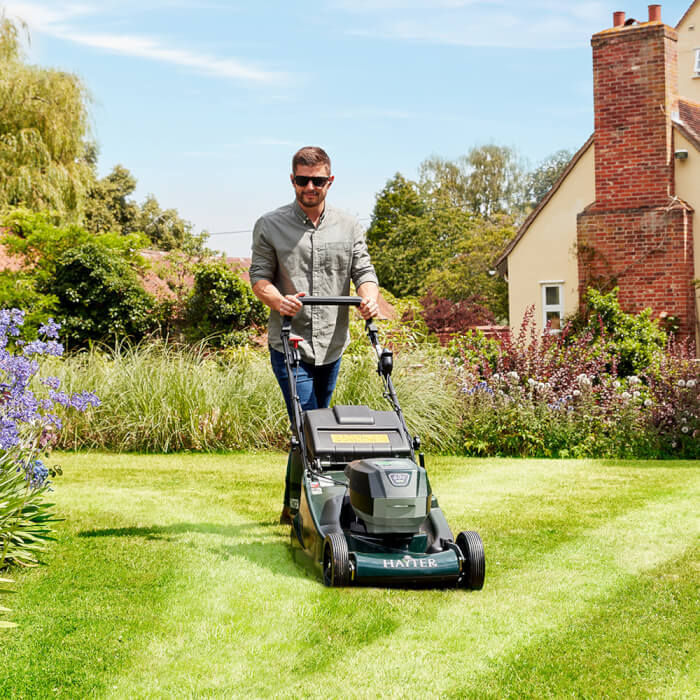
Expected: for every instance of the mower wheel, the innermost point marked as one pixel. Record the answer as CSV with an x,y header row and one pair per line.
x,y
336,561
472,549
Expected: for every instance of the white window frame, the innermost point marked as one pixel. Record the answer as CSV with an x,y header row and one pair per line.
x,y
697,62
548,308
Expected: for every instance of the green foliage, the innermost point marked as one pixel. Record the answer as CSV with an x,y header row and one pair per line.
x,y
221,307
543,177
99,296
42,244
26,518
40,239
167,230
488,181
469,273
389,232
44,138
427,238
19,290
636,340
108,207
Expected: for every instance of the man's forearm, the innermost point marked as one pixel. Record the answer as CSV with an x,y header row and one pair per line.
x,y
368,289
268,294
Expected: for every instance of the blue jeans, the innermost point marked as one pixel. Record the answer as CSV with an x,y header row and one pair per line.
x,y
315,385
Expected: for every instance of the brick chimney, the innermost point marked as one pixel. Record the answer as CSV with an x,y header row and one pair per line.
x,y
635,86
635,234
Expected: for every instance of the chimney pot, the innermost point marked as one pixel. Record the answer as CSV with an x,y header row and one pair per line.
x,y
618,19
654,13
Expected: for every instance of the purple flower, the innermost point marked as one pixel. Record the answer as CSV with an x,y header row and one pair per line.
x,y
50,329
52,382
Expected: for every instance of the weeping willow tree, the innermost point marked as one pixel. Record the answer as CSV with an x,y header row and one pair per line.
x,y
46,155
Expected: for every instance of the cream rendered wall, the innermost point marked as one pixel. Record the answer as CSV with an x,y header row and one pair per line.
x,y
546,252
688,43
688,189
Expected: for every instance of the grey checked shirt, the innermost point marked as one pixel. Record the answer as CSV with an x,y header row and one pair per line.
x,y
296,257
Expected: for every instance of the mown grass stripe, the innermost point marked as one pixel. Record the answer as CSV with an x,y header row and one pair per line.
x,y
231,615
628,643
474,630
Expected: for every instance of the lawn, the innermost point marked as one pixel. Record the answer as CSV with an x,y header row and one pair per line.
x,y
171,578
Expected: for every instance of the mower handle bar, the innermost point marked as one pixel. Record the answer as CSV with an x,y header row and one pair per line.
x,y
330,301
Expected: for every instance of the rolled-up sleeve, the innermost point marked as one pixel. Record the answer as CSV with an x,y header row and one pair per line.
x,y
362,269
263,264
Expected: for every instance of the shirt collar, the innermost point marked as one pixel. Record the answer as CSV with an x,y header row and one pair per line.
x,y
301,214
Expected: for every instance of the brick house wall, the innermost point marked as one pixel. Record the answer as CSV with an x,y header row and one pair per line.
x,y
636,234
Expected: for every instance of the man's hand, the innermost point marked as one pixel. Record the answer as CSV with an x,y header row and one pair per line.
x,y
290,305
368,308
369,293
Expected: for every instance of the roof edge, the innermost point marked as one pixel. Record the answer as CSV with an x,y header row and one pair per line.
x,y
686,13
500,262
688,133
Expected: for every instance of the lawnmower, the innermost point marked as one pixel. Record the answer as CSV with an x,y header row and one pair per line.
x,y
367,514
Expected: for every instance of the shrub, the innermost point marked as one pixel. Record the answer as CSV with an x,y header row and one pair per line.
x,y
441,315
99,296
635,340
221,307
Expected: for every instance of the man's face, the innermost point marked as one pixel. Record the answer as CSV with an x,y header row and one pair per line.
x,y
311,195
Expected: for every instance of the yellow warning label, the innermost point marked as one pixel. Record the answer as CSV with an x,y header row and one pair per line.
x,y
363,438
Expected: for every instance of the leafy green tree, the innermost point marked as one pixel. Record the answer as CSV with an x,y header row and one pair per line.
x,y
41,244
488,181
396,208
45,148
469,274
221,307
543,177
433,236
108,207
40,239
167,230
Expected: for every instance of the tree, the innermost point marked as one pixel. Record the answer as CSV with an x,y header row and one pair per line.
x,y
399,202
166,229
469,274
45,148
543,177
488,181
434,236
108,207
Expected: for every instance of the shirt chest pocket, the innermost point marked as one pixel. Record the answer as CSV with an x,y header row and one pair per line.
x,y
334,255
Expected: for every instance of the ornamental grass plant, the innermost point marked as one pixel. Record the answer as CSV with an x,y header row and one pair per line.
x,y
527,394
159,397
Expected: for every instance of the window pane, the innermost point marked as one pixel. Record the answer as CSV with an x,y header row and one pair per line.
x,y
554,319
697,60
551,295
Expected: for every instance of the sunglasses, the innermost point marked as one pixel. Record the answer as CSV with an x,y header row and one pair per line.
x,y
303,180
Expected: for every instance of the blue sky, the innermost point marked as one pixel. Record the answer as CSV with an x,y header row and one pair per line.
x,y
205,102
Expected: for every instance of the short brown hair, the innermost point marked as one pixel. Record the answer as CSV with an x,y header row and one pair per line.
x,y
310,156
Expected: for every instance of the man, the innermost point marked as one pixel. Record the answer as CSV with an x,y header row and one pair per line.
x,y
309,247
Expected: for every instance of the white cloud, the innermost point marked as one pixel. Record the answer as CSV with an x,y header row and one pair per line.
x,y
57,22
530,24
